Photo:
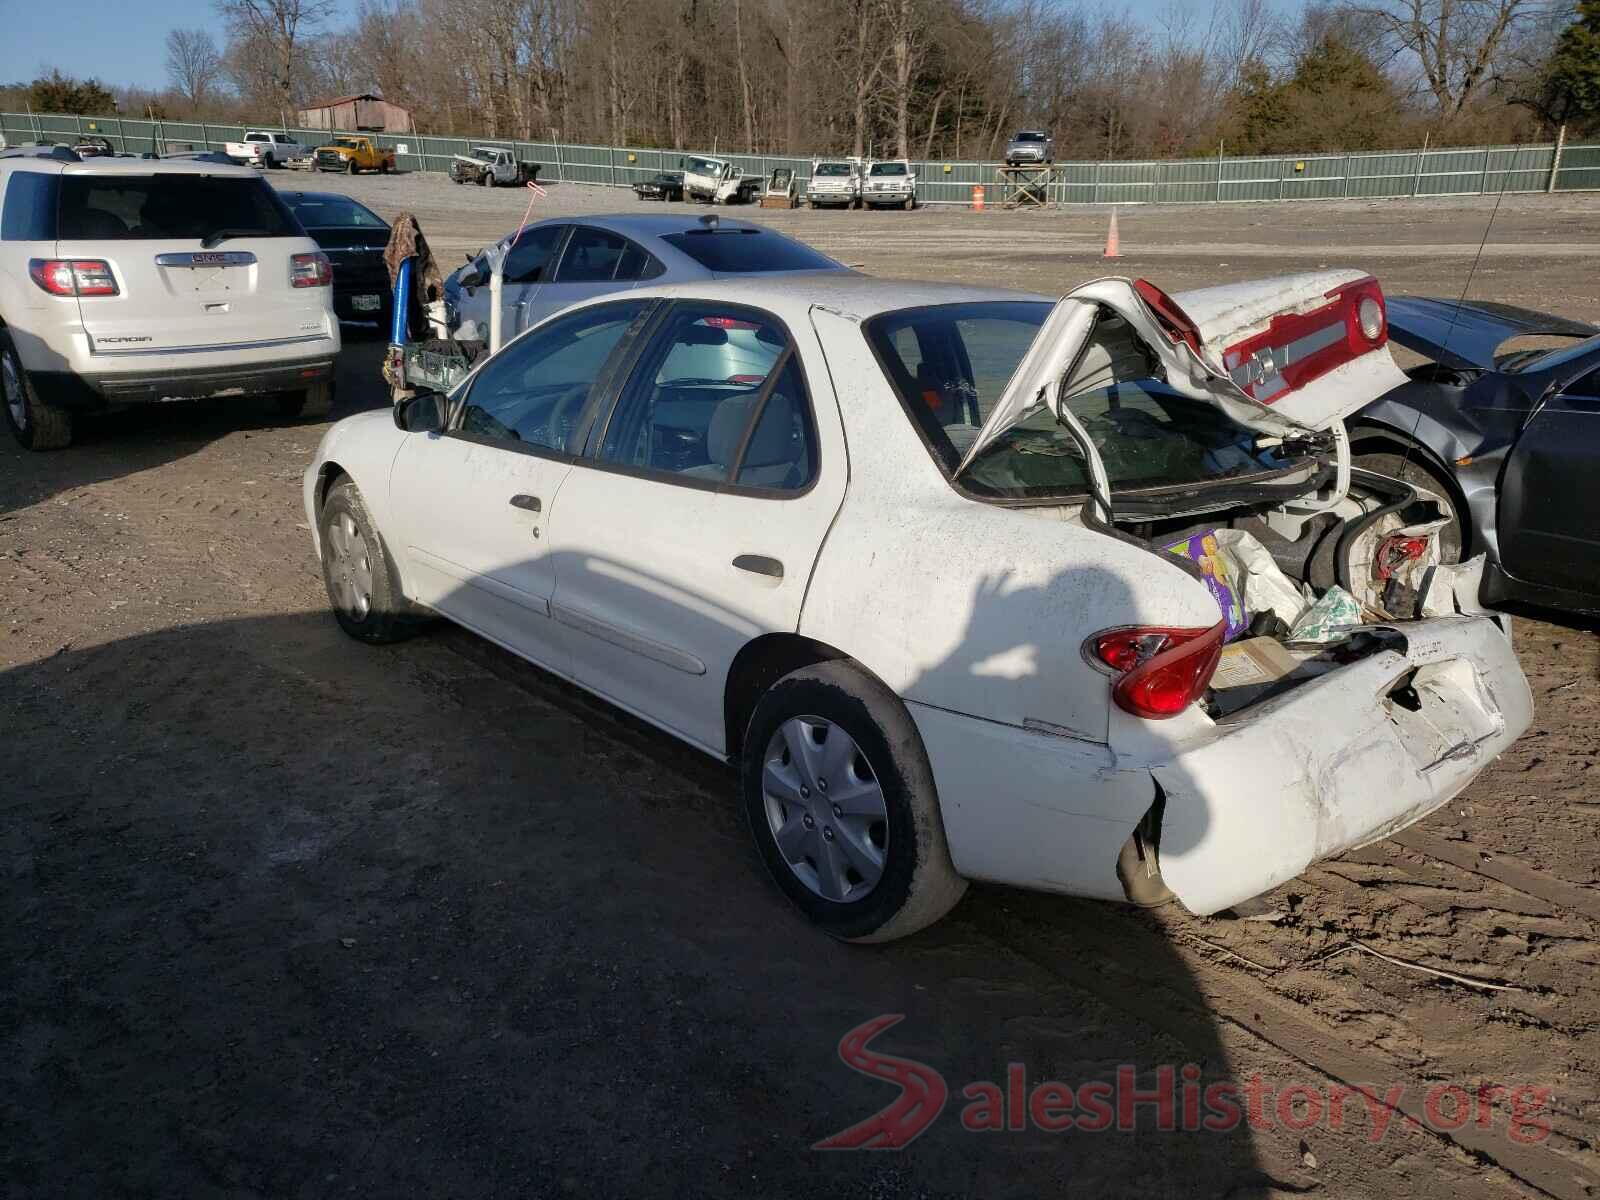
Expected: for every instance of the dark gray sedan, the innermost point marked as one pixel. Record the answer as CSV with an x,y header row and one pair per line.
x,y
1509,436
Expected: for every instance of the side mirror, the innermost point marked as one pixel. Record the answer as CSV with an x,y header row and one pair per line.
x,y
421,413
470,278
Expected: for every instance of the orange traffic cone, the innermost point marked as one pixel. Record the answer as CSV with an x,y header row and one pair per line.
x,y
1112,248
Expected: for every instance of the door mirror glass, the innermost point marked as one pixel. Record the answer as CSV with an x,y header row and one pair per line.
x,y
421,413
470,278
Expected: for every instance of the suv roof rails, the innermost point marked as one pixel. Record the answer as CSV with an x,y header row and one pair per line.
x,y
58,153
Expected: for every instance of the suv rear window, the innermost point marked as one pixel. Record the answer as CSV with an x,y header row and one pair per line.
x,y
736,251
175,207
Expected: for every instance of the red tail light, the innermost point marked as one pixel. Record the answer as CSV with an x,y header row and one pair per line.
x,y
1174,322
311,270
1161,670
73,276
1296,348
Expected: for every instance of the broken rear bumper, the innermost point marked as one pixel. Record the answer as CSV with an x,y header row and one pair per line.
x,y
1338,762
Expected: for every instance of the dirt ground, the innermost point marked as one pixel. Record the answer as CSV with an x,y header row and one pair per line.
x,y
289,916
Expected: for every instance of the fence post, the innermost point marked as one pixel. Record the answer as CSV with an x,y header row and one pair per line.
x,y
1416,180
205,135
1555,161
1219,172
1344,190
1095,196
561,171
611,162
121,136
1483,180
1282,163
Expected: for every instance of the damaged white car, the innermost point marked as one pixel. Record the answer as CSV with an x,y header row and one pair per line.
x,y
1080,596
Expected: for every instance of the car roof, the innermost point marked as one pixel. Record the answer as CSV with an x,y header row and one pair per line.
x,y
293,196
154,166
851,295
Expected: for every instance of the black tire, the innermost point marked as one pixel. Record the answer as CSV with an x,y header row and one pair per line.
x,y
350,166
383,167
1417,470
42,426
488,179
315,401
918,884
388,616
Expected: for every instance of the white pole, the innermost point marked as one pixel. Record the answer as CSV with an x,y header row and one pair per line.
x,y
496,286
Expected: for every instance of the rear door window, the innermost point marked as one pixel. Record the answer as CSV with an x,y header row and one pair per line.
x,y
174,207
599,256
29,213
718,396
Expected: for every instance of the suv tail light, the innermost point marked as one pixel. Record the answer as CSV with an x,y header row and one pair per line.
x,y
310,270
73,276
1160,670
1174,322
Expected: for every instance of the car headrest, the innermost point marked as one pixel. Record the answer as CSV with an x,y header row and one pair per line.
x,y
773,440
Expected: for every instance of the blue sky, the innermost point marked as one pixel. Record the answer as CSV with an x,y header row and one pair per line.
x,y
118,41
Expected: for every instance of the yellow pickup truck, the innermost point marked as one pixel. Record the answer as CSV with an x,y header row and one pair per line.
x,y
352,153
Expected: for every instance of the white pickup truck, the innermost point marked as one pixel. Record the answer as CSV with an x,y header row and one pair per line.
x,y
491,166
264,149
718,181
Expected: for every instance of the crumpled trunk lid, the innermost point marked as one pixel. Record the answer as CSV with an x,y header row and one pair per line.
x,y
1280,355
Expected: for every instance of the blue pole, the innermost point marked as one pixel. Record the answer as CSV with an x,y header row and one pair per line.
x,y
402,304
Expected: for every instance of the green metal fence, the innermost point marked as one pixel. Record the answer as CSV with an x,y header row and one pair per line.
x,y
1473,171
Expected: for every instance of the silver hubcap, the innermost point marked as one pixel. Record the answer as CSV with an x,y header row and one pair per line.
x,y
349,567
11,384
825,808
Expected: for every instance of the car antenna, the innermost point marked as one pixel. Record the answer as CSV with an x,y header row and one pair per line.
x,y
1455,313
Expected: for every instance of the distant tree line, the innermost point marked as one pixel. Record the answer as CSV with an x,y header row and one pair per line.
x,y
919,78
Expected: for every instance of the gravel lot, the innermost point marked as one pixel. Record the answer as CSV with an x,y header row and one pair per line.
x,y
289,916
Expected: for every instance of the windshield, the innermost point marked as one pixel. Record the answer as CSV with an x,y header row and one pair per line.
x,y
485,151
1028,136
347,143
704,166
832,169
175,207
889,168
1552,359
738,251
334,212
951,363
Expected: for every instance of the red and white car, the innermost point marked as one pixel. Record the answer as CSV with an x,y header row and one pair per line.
x,y
898,551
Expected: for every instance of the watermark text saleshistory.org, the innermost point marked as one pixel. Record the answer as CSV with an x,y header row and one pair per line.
x,y
1175,1098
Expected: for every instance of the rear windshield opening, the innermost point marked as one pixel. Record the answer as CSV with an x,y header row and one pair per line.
x,y
169,208
951,364
334,212
736,251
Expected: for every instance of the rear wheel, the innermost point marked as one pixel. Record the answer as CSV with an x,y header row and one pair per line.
x,y
363,586
1416,470
314,401
841,802
35,424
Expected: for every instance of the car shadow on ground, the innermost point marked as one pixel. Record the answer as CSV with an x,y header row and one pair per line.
x,y
112,445
292,915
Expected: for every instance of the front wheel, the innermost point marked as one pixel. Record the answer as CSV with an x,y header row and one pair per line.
x,y
363,586
350,167
841,802
1415,470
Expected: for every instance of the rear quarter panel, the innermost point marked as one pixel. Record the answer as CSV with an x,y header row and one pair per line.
x,y
969,606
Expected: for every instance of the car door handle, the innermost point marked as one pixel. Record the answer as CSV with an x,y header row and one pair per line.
x,y
527,503
759,564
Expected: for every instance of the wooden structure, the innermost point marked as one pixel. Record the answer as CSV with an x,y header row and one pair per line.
x,y
366,113
1027,187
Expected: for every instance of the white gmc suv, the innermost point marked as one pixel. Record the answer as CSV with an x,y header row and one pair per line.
x,y
129,280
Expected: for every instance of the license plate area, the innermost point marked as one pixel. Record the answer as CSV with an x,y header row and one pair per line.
x,y
1442,711
367,303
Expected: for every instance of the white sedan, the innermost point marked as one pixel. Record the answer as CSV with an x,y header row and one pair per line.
x,y
902,553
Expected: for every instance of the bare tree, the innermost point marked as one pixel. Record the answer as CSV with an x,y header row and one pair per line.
x,y
1455,43
193,65
276,27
